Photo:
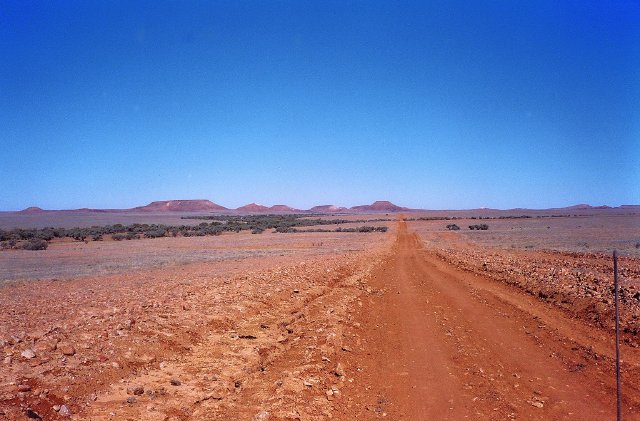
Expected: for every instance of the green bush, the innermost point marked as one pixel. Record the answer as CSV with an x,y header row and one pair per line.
x,y
35,244
155,233
482,227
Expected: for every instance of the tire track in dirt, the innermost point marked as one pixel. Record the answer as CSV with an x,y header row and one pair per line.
x,y
276,359
439,343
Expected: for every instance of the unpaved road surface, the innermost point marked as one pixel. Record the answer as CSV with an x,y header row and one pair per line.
x,y
437,343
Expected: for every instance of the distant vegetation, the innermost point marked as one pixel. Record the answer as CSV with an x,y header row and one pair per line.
x,y
35,244
453,227
453,218
482,227
37,239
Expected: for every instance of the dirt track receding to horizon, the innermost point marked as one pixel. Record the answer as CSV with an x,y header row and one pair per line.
x,y
440,343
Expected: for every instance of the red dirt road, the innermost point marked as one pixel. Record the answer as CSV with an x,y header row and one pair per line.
x,y
437,343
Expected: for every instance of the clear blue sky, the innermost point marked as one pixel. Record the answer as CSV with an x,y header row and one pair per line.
x,y
437,105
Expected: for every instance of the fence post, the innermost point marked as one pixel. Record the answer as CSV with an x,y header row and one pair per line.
x,y
615,287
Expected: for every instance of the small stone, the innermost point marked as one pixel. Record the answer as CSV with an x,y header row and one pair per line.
x,y
30,413
56,408
66,349
64,411
339,371
135,389
28,353
115,365
7,360
175,382
261,416
24,388
131,400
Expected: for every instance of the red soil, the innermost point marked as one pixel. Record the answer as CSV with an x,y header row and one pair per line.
x,y
397,330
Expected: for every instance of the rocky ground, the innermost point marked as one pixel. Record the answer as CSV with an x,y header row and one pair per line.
x,y
181,341
581,284
320,326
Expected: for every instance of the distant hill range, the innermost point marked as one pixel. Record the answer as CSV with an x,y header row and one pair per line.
x,y
381,206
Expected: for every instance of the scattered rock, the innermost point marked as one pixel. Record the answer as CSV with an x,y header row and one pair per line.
x,y
135,389
66,349
65,411
24,388
131,400
56,408
175,382
30,413
261,416
339,371
28,353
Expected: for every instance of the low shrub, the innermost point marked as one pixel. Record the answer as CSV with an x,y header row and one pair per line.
x,y
453,227
35,244
155,233
482,227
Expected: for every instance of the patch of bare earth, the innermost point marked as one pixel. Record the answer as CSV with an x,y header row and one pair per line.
x,y
411,325
203,340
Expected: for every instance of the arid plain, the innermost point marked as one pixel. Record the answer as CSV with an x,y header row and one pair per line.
x,y
419,322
